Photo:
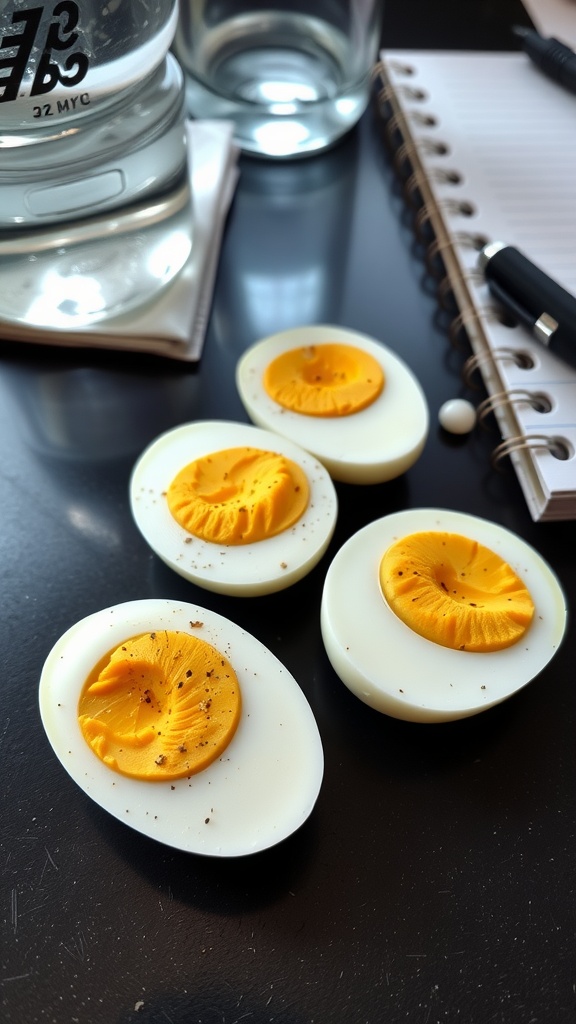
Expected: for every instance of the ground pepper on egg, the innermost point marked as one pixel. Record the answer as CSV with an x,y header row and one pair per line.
x,y
454,591
238,495
324,380
162,705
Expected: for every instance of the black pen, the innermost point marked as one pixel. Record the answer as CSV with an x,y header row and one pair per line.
x,y
533,298
555,59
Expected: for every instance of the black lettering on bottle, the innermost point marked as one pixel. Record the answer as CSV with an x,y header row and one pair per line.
x,y
46,77
22,42
65,105
67,10
61,36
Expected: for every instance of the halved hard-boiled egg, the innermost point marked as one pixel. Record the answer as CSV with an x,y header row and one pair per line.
x,y
183,726
232,507
341,395
430,615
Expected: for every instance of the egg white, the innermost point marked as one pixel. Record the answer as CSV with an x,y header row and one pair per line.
x,y
262,787
371,446
240,570
397,671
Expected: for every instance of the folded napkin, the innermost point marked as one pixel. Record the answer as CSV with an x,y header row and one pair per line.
x,y
173,323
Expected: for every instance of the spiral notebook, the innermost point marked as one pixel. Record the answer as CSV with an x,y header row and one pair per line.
x,y
487,147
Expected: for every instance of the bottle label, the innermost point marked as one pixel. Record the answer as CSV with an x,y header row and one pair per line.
x,y
51,37
65,58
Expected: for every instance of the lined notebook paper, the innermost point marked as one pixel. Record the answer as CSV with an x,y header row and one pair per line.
x,y
492,146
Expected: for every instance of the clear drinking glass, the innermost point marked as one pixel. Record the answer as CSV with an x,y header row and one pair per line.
x,y
293,76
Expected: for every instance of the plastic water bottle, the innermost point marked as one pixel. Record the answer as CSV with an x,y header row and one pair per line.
x,y
93,140
87,106
64,59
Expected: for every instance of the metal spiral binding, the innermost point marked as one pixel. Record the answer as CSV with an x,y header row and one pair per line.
x,y
463,239
436,248
556,446
453,207
475,362
536,399
439,252
444,175
407,151
462,322
406,159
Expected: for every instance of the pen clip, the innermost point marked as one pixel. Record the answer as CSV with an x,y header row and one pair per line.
x,y
544,328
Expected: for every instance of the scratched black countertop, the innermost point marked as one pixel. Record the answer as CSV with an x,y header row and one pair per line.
x,y
434,880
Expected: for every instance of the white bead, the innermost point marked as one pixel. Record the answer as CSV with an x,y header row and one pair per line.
x,y
457,415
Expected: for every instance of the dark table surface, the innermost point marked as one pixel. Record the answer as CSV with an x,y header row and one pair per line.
x,y
435,879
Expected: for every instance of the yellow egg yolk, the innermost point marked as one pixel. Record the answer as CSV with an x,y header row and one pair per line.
x,y
324,380
238,496
160,706
455,592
